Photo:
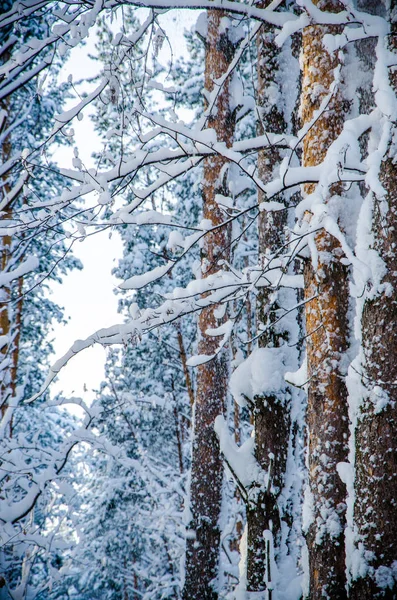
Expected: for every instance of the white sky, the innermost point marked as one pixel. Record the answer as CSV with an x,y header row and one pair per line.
x,y
87,295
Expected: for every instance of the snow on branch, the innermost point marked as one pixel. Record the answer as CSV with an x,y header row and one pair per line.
x,y
240,460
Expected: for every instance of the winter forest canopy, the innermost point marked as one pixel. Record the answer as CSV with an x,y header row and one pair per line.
x,y
243,442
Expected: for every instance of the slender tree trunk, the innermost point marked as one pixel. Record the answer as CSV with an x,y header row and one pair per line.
x,y
375,508
238,509
271,413
178,435
5,292
202,552
182,356
10,313
326,293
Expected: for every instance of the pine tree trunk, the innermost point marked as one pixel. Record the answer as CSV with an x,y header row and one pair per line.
x,y
5,295
10,320
202,551
183,359
326,293
271,416
375,508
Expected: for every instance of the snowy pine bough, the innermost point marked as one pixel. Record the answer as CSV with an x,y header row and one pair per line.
x,y
250,410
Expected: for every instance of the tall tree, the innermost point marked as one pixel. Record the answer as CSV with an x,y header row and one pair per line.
x,y
331,142
327,301
203,543
10,192
375,485
30,437
272,411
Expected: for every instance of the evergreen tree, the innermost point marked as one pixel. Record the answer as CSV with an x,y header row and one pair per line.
x,y
342,230
31,437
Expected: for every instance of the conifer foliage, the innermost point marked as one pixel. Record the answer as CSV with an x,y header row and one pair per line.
x,y
243,442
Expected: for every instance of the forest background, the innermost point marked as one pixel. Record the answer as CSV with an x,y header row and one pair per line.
x,y
243,441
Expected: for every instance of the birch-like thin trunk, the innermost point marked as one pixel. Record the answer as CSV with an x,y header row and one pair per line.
x,y
202,551
375,508
326,293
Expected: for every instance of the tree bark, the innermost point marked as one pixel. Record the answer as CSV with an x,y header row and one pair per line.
x,y
326,294
10,312
202,551
271,415
182,356
375,507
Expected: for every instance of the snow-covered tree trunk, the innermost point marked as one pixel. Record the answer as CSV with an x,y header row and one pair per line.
x,y
375,506
10,254
271,411
202,550
326,295
183,358
10,317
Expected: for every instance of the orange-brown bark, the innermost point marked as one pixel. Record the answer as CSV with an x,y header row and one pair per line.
x,y
9,352
10,311
326,292
207,470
